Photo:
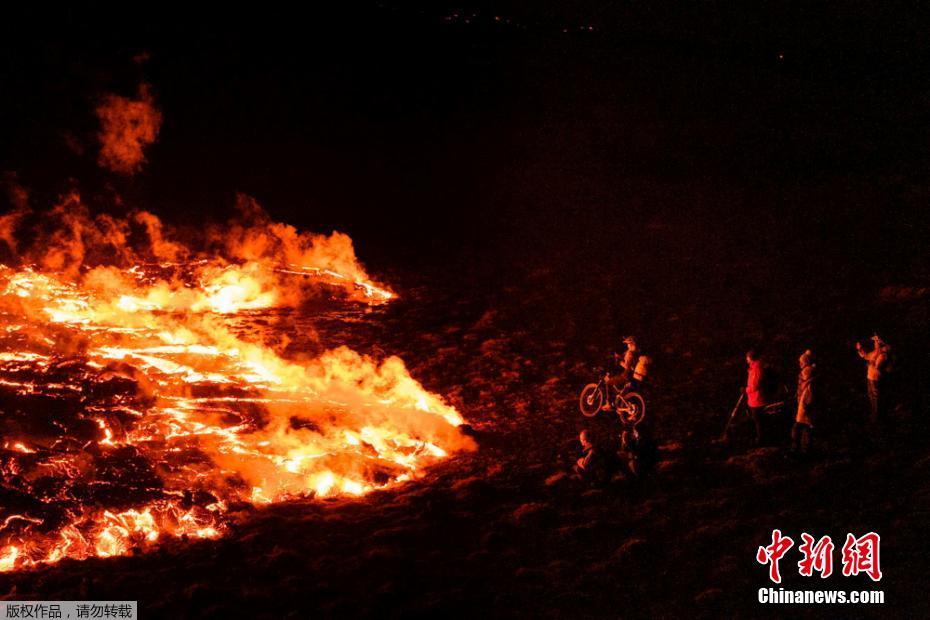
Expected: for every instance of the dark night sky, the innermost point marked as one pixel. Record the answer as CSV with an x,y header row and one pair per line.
x,y
425,132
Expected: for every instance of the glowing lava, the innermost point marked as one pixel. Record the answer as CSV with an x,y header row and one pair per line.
x,y
135,407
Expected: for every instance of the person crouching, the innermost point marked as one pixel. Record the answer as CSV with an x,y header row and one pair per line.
x,y
591,466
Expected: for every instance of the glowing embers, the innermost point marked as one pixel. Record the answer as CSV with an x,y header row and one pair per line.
x,y
369,291
135,411
108,533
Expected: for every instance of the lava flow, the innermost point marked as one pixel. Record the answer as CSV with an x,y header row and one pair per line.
x,y
135,406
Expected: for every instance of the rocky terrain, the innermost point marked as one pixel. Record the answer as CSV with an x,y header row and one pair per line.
x,y
507,531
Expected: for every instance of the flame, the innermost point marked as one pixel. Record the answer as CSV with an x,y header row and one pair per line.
x,y
127,126
209,413
8,558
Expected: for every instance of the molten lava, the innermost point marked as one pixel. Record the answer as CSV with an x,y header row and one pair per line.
x,y
146,393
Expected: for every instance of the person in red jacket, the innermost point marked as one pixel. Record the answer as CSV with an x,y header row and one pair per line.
x,y
754,397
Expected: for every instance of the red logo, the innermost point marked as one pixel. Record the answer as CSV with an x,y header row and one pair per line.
x,y
860,555
773,553
817,557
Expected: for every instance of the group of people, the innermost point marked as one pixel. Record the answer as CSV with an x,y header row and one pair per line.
x,y
758,400
634,445
809,406
634,453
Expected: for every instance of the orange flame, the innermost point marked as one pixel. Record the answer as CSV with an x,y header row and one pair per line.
x,y
265,427
127,126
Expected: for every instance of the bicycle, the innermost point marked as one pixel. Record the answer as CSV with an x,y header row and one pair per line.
x,y
629,405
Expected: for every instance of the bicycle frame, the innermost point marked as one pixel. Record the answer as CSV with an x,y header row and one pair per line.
x,y
614,399
625,400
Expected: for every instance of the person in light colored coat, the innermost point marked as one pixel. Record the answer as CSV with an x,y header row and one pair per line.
x,y
877,361
802,431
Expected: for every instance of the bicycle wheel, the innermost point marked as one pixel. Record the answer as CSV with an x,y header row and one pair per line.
x,y
591,400
634,411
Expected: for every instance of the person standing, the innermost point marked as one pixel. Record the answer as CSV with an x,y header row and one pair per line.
x,y
754,396
876,367
634,366
624,377
628,363
802,431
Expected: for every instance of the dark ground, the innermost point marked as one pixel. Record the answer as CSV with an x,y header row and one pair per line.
x,y
708,179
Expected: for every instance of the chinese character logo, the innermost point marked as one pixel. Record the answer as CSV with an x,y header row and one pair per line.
x,y
859,555
817,557
773,553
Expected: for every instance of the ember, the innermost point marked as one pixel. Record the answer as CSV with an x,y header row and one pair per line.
x,y
163,398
